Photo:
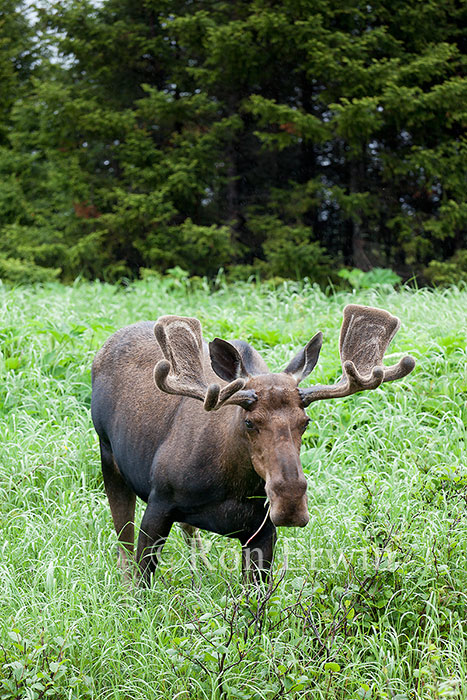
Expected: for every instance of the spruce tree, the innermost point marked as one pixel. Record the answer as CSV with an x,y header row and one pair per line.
x,y
285,137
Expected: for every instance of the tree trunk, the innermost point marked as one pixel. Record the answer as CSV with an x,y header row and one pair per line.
x,y
359,256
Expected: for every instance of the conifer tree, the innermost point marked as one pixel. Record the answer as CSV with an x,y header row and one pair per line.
x,y
285,137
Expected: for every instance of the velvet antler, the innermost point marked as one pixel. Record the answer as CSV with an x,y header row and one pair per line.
x,y
182,370
365,334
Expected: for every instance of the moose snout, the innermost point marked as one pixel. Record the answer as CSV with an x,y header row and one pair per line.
x,y
283,519
288,502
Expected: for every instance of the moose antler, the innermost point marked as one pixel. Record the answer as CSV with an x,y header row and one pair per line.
x,y
365,334
182,371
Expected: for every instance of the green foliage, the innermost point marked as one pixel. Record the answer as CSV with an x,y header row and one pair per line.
x,y
24,272
17,54
378,277
342,124
451,271
37,669
290,253
201,248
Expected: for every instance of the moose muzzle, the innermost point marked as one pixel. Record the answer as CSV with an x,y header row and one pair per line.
x,y
288,502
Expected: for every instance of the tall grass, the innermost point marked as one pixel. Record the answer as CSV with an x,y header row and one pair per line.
x,y
368,601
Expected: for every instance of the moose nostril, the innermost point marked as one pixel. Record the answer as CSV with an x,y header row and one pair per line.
x,y
282,518
284,488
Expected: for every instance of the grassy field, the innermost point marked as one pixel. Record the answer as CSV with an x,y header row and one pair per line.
x,y
368,601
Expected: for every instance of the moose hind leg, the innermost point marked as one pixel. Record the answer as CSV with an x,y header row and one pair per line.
x,y
122,501
193,539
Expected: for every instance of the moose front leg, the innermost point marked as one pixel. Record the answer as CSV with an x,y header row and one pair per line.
x,y
154,530
258,554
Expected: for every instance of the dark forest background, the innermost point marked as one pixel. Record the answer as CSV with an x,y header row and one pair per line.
x,y
285,139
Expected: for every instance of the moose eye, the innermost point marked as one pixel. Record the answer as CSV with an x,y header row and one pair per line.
x,y
249,424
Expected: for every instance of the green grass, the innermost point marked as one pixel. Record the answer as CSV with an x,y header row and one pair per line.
x,y
373,601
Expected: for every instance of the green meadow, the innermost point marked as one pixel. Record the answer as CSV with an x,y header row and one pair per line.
x,y
368,601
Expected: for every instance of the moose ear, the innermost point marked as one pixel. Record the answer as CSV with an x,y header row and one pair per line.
x,y
226,361
305,360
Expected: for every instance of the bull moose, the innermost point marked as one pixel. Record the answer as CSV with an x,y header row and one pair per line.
x,y
207,435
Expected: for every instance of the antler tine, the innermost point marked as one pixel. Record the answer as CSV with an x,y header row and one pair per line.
x,y
244,398
365,335
182,370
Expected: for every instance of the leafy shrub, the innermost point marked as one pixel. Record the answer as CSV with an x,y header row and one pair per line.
x,y
25,272
377,277
36,669
451,271
201,250
294,256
